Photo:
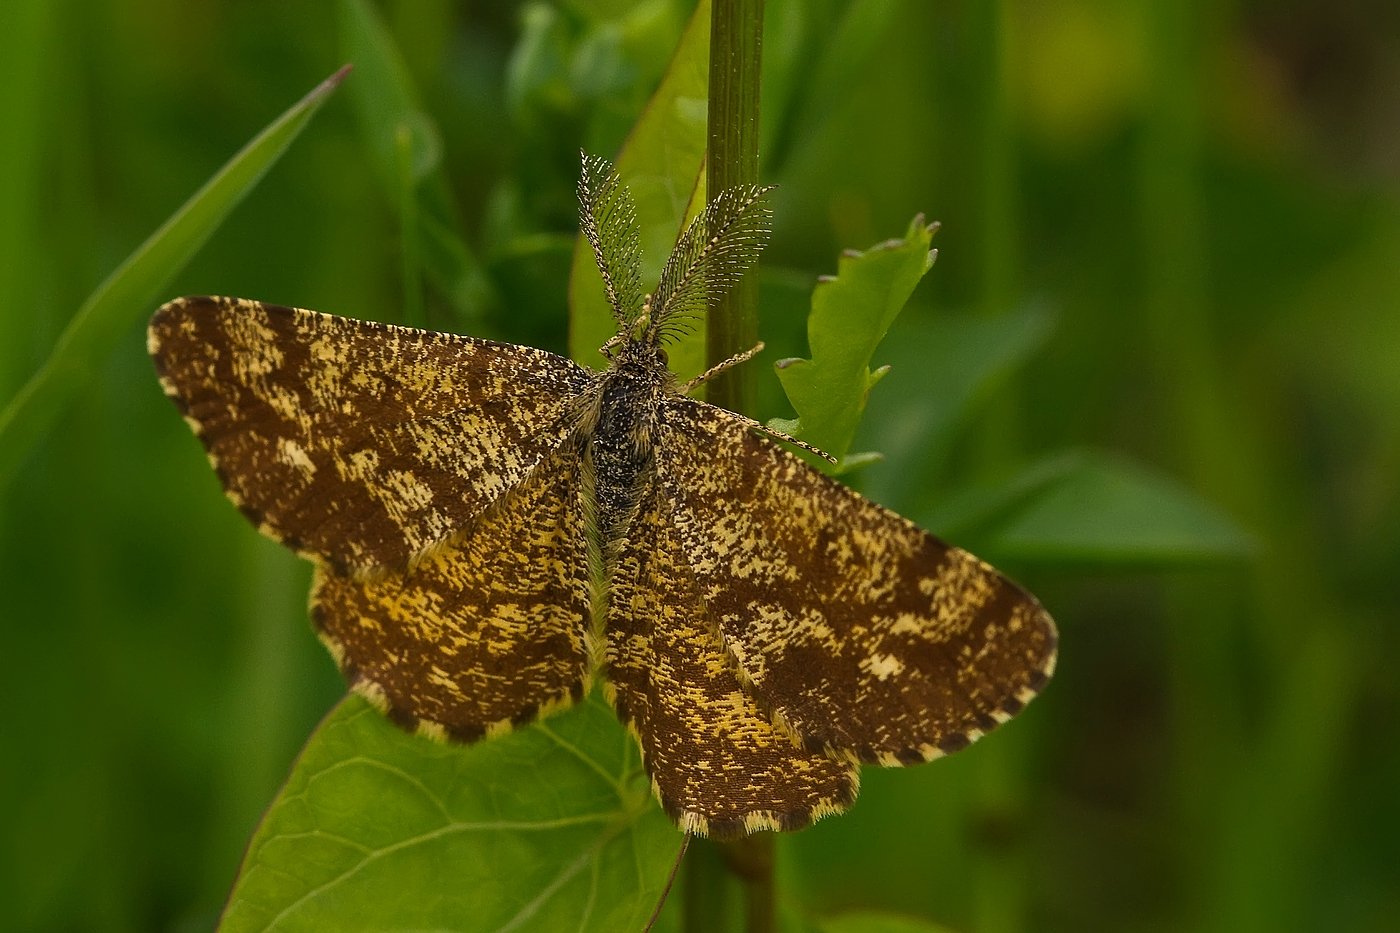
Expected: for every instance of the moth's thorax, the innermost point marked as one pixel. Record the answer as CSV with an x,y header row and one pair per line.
x,y
643,360
621,442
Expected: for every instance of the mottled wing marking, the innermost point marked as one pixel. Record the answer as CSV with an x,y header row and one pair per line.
x,y
717,764
857,630
488,630
359,443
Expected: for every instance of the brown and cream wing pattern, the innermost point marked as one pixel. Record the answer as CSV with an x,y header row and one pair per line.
x,y
856,629
358,443
717,763
487,631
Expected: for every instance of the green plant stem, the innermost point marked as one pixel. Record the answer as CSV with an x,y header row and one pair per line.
x,y
750,859
997,188
408,228
705,889
996,801
731,159
1248,837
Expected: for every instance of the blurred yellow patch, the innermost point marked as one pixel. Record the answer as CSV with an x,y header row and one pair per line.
x,y
1082,68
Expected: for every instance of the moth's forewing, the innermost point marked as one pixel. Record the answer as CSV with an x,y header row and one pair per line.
x,y
487,631
858,630
717,763
357,443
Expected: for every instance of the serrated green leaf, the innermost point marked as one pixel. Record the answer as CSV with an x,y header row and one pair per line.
x,y
552,827
387,106
939,368
132,289
877,922
1090,508
850,315
662,163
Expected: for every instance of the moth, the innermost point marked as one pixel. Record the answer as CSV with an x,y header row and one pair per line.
x,y
495,527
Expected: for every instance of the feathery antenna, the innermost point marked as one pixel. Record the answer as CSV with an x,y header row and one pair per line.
x,y
608,219
716,249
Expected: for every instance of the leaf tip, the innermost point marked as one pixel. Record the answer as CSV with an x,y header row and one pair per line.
x,y
852,462
328,86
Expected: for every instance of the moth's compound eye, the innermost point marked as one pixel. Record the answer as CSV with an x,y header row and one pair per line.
x,y
665,360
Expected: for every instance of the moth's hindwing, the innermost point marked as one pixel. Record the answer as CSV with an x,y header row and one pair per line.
x,y
853,627
717,763
487,631
357,443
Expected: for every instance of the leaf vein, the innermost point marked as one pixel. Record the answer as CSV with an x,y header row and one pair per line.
x,y
500,825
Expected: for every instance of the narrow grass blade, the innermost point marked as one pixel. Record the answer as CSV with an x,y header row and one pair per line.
x,y
1081,507
133,288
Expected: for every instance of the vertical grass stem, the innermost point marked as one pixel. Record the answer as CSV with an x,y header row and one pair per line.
x,y
731,159
408,225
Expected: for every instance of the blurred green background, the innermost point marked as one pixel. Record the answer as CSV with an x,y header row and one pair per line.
x,y
1200,200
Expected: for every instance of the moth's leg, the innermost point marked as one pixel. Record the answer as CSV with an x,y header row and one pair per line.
x,y
735,361
614,340
718,368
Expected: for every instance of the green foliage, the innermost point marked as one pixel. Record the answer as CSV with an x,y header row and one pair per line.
x,y
551,827
662,163
1067,507
851,314
940,371
1218,748
867,922
127,294
1090,509
406,149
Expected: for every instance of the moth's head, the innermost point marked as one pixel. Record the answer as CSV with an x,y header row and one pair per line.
x,y
710,256
641,348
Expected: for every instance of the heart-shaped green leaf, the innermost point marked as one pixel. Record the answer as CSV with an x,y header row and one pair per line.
x,y
552,827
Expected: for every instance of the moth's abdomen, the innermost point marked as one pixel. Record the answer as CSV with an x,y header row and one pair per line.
x,y
620,453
